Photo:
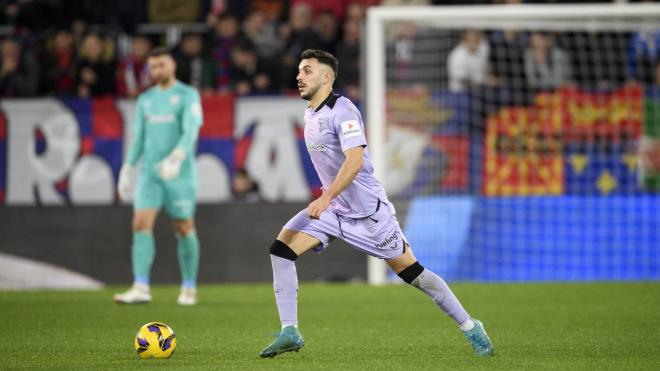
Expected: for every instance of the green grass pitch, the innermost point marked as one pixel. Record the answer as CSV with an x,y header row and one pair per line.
x,y
595,326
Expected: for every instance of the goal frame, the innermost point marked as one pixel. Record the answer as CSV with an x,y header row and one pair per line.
x,y
528,16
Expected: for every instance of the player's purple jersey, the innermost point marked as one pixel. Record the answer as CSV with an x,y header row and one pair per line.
x,y
332,128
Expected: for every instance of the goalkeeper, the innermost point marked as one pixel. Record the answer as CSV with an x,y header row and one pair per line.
x,y
165,128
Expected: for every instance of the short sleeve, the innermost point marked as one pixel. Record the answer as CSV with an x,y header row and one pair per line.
x,y
350,129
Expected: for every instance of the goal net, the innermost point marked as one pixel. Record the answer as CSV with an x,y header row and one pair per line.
x,y
524,140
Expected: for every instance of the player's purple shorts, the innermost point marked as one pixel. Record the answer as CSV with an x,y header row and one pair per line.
x,y
378,235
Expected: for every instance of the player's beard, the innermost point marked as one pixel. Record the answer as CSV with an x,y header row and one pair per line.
x,y
165,80
312,91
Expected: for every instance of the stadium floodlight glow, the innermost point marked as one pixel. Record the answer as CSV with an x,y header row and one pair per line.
x,y
557,18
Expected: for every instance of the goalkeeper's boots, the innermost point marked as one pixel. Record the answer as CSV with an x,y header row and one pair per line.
x,y
187,296
479,339
137,294
289,339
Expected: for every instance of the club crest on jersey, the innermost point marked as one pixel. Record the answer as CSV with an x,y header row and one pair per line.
x,y
323,123
174,100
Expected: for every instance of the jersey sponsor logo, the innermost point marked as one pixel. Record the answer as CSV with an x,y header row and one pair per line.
x,y
174,100
161,119
393,239
313,147
350,129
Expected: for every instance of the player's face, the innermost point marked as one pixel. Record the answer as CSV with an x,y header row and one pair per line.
x,y
309,78
162,69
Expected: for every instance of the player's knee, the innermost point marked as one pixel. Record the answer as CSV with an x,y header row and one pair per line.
x,y
141,225
279,248
411,272
184,228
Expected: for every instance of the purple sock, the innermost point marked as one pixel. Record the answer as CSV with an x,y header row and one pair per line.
x,y
435,287
285,284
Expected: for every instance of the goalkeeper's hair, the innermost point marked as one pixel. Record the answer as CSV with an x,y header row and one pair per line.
x,y
323,57
160,51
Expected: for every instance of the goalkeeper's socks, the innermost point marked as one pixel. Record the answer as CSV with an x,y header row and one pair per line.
x,y
285,283
188,253
143,252
436,288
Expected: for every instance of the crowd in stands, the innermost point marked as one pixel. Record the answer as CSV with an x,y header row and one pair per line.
x,y
90,48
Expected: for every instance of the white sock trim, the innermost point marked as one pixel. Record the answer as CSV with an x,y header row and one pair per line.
x,y
467,325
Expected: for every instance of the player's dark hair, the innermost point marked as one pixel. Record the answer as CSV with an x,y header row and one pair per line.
x,y
323,57
159,52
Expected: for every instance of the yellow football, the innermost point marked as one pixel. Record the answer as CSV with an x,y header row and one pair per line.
x,y
155,340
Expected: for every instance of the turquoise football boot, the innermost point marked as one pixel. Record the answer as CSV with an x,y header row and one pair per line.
x,y
479,339
289,339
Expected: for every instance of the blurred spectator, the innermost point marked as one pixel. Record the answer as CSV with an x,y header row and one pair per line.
x,y
251,74
643,56
467,62
95,74
263,34
336,7
193,65
27,16
326,27
79,28
505,60
18,70
226,36
599,59
300,36
58,65
348,55
271,9
244,188
10,10
546,66
355,12
133,72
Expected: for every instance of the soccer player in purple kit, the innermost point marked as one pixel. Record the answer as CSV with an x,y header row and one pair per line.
x,y
353,207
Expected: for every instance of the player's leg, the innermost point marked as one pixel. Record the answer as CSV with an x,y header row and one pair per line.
x,y
188,254
180,195
413,273
300,235
143,251
148,200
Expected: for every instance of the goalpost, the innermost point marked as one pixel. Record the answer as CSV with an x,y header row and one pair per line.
x,y
506,177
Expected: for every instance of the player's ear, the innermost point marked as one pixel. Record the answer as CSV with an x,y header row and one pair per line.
x,y
327,77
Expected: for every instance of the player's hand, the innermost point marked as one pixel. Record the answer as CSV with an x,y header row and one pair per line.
x,y
318,206
169,168
124,183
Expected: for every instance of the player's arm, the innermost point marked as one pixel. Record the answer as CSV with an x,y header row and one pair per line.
x,y
191,121
134,152
348,171
137,141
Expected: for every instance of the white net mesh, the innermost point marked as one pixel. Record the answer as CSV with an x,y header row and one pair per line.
x,y
517,141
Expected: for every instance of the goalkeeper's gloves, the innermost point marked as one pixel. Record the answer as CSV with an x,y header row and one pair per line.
x,y
124,183
169,168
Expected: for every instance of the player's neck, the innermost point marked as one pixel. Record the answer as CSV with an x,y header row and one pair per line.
x,y
319,97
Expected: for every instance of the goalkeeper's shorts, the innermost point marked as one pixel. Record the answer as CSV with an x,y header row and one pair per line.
x,y
177,195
